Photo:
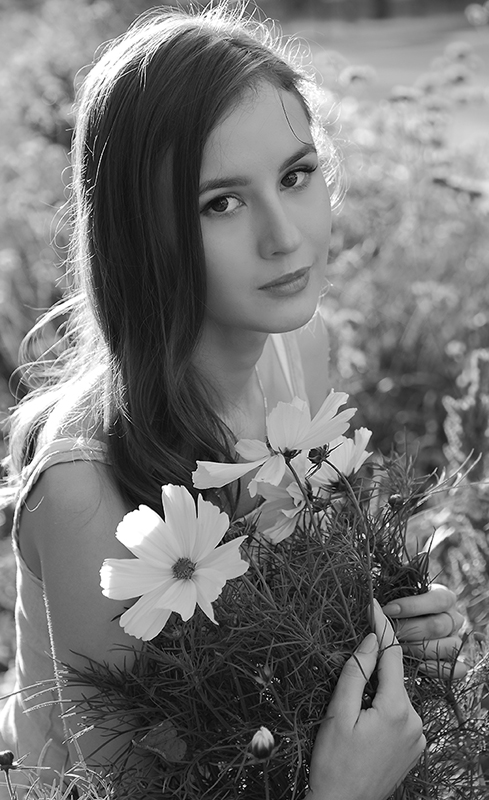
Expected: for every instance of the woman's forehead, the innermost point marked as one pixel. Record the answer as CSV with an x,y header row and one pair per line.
x,y
267,123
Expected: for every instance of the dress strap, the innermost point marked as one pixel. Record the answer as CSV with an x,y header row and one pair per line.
x,y
61,451
289,358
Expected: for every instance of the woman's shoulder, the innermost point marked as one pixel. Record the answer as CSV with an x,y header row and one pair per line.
x,y
68,528
73,504
75,484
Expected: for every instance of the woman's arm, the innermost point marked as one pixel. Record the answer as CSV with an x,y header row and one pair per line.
x,y
69,522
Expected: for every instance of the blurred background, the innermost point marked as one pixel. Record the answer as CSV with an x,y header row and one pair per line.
x,y
406,98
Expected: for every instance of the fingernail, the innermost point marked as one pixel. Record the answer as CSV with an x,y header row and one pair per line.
x,y
368,645
392,609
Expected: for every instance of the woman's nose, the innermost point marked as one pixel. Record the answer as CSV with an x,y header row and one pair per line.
x,y
279,233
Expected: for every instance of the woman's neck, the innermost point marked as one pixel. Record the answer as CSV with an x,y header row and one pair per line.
x,y
228,361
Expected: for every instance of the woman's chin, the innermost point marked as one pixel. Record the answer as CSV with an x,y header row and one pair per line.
x,y
292,319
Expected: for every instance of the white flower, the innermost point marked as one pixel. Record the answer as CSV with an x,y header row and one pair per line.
x,y
347,455
276,518
289,429
278,515
177,563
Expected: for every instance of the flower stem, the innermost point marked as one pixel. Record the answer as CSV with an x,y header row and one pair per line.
x,y
12,792
344,480
318,534
266,782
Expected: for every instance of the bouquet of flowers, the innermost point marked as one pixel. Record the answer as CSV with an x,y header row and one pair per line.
x,y
247,624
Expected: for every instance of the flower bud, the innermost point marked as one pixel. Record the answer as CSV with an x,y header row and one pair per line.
x,y
318,454
265,675
7,760
262,744
396,500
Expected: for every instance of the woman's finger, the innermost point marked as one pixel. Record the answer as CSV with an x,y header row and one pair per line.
x,y
347,697
435,649
390,666
434,601
432,626
444,669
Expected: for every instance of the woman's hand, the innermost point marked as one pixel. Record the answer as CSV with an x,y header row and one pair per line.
x,y
427,625
364,754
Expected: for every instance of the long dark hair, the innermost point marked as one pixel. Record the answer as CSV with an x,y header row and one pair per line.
x,y
136,308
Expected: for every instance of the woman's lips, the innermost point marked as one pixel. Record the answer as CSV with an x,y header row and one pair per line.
x,y
288,284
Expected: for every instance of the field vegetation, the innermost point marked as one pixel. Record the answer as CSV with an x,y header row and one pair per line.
x,y
408,309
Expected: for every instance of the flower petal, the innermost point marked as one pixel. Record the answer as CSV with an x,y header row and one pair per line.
x,y
252,449
288,423
123,578
143,619
226,559
282,528
323,431
319,425
347,455
212,475
278,515
209,585
270,492
212,524
148,536
180,516
360,454
324,476
202,597
331,405
272,472
181,597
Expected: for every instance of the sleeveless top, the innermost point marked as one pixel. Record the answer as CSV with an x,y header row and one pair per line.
x,y
30,721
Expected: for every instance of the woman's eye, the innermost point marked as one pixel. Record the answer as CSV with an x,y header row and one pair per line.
x,y
297,177
223,205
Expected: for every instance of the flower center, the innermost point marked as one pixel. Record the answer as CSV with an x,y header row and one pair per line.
x,y
289,454
183,569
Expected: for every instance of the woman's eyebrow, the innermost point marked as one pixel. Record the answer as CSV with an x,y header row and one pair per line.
x,y
228,182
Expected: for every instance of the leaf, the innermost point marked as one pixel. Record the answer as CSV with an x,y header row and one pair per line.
x,y
164,742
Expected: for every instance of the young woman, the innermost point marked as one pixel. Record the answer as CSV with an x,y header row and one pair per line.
x,y
201,200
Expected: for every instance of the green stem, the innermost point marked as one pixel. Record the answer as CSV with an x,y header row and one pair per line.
x,y
318,534
266,781
12,792
344,480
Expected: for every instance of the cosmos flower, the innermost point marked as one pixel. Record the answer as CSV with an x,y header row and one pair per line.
x,y
289,430
279,513
347,455
177,565
277,517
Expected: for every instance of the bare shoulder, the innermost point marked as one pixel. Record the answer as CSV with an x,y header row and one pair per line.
x,y
79,488
68,499
67,530
313,342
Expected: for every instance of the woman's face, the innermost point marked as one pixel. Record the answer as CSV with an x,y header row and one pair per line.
x,y
265,215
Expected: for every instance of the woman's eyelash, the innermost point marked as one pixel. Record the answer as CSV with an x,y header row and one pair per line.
x,y
210,207
305,169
